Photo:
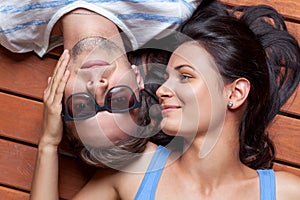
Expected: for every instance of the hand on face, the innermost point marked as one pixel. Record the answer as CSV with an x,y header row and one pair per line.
x,y
53,94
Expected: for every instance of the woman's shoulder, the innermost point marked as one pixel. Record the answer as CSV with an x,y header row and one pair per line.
x,y
287,185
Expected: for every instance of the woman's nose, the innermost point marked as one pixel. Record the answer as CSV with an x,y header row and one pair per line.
x,y
164,92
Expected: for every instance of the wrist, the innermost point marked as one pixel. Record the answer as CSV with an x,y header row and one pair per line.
x,y
47,150
47,146
50,139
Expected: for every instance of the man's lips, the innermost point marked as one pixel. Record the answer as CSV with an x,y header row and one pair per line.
x,y
94,64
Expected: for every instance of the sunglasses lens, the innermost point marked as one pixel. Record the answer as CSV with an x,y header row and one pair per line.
x,y
120,98
81,106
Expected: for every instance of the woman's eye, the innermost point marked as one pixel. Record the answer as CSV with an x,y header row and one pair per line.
x,y
184,77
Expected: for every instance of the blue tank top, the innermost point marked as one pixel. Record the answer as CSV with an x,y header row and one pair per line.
x,y
150,181
149,184
267,184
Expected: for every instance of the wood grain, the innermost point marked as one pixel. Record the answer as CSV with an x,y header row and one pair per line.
x,y
25,74
281,167
285,134
11,194
292,106
20,118
288,8
17,164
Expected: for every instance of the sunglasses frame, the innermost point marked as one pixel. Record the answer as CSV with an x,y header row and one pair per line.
x,y
67,117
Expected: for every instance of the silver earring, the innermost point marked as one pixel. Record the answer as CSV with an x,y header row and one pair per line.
x,y
230,104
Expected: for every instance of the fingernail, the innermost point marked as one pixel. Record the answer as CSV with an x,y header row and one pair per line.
x,y
67,72
65,52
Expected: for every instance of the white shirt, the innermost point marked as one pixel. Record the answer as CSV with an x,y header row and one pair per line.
x,y
26,25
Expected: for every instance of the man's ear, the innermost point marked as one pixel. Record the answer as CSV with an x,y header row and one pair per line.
x,y
139,77
237,92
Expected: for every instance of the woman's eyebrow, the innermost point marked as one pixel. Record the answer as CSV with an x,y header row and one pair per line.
x,y
182,66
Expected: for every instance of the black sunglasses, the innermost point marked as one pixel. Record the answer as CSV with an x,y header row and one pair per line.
x,y
118,99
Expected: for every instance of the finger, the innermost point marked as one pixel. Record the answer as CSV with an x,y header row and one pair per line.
x,y
58,66
46,91
58,76
61,88
62,57
50,81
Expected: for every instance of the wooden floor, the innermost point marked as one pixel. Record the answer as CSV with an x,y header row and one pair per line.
x,y
23,78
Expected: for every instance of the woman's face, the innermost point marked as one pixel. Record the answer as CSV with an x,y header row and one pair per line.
x,y
95,72
192,98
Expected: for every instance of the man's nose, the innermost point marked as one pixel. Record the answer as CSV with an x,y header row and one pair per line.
x,y
98,89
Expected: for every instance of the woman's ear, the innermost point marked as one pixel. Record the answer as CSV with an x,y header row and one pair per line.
x,y
139,77
237,93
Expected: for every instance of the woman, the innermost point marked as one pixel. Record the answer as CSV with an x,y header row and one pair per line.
x,y
259,63
214,101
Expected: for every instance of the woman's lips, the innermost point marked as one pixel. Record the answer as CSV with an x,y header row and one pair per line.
x,y
94,64
169,108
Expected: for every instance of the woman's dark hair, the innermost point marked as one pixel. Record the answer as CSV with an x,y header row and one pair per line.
x,y
251,42
153,61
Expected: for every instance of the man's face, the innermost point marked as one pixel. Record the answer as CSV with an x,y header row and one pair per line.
x,y
95,69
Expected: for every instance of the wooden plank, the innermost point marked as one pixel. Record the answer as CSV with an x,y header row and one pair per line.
x,y
294,29
288,8
20,118
73,176
10,194
17,163
57,51
285,134
24,74
292,106
281,167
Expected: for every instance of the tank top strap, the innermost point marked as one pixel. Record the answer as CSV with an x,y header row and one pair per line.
x,y
150,181
267,184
